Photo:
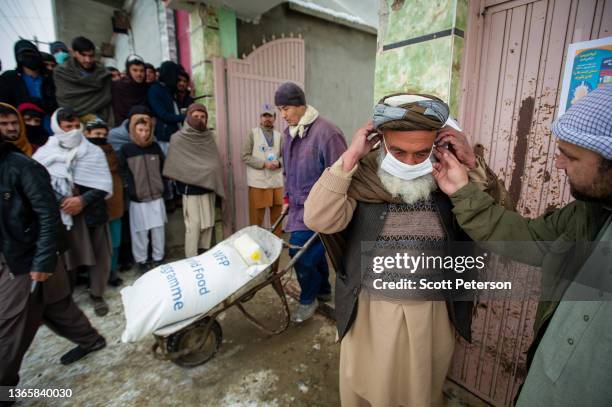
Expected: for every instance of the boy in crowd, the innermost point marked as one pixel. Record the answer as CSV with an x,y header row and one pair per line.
x,y
96,132
142,162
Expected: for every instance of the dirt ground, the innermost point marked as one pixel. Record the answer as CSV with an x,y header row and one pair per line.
x,y
296,368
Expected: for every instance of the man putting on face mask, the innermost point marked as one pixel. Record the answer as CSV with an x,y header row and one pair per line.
x,y
394,351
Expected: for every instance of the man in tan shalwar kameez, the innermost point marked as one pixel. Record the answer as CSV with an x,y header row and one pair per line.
x,y
194,162
394,351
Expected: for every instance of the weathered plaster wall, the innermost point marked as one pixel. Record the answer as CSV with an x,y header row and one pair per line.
x,y
144,38
420,46
213,34
83,17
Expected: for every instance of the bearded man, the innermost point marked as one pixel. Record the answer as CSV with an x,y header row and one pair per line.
x,y
262,154
394,350
569,361
13,129
195,164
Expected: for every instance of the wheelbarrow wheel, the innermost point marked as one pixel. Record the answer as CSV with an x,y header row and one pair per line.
x,y
190,337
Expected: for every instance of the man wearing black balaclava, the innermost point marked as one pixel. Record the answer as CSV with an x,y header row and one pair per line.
x,y
32,118
29,82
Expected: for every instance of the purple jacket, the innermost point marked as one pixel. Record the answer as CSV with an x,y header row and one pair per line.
x,y
304,160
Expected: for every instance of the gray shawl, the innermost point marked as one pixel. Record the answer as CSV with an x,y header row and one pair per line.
x,y
85,94
193,159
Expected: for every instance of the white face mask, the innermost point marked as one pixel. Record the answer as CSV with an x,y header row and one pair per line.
x,y
406,172
70,139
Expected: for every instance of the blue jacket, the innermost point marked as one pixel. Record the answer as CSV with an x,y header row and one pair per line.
x,y
119,135
161,102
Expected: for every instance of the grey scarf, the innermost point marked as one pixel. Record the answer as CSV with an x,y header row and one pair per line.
x,y
193,159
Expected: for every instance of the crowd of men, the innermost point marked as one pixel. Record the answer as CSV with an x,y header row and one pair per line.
x,y
111,152
90,158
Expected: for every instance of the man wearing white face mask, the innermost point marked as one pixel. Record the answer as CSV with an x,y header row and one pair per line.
x,y
81,180
394,350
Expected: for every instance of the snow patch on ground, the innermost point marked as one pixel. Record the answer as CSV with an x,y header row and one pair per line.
x,y
327,334
250,391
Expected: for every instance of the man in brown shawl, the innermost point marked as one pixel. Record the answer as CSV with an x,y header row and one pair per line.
x,y
84,85
396,348
194,163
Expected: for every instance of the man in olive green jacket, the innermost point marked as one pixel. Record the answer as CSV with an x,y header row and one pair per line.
x,y
572,363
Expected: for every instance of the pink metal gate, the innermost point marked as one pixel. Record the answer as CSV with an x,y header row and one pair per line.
x,y
511,80
242,87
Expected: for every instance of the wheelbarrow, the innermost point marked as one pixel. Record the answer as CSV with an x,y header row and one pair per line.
x,y
199,341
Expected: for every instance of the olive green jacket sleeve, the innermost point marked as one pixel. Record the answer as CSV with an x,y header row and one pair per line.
x,y
483,220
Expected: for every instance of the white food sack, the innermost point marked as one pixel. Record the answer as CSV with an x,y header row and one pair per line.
x,y
187,288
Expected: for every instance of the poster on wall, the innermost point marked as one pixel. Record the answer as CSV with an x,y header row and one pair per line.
x,y
588,66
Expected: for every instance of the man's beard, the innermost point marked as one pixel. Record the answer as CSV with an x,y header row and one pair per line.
x,y
409,191
601,196
10,137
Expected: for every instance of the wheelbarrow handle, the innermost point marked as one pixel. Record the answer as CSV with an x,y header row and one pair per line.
x,y
278,221
300,252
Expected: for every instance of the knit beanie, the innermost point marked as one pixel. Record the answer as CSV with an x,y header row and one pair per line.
x,y
289,94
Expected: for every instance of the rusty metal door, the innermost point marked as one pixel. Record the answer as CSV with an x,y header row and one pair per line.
x,y
242,87
513,85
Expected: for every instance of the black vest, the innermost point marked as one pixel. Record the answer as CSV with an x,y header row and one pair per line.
x,y
365,226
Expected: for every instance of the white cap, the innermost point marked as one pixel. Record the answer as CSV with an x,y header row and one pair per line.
x,y
453,123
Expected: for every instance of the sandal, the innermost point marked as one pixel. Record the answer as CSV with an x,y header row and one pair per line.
x,y
100,306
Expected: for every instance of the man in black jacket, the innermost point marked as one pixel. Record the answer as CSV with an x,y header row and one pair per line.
x,y
34,286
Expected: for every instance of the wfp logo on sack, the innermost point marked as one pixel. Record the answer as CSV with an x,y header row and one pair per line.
x,y
221,258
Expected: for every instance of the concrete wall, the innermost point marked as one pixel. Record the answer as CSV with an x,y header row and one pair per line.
x,y
205,44
146,37
340,63
151,22
83,17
